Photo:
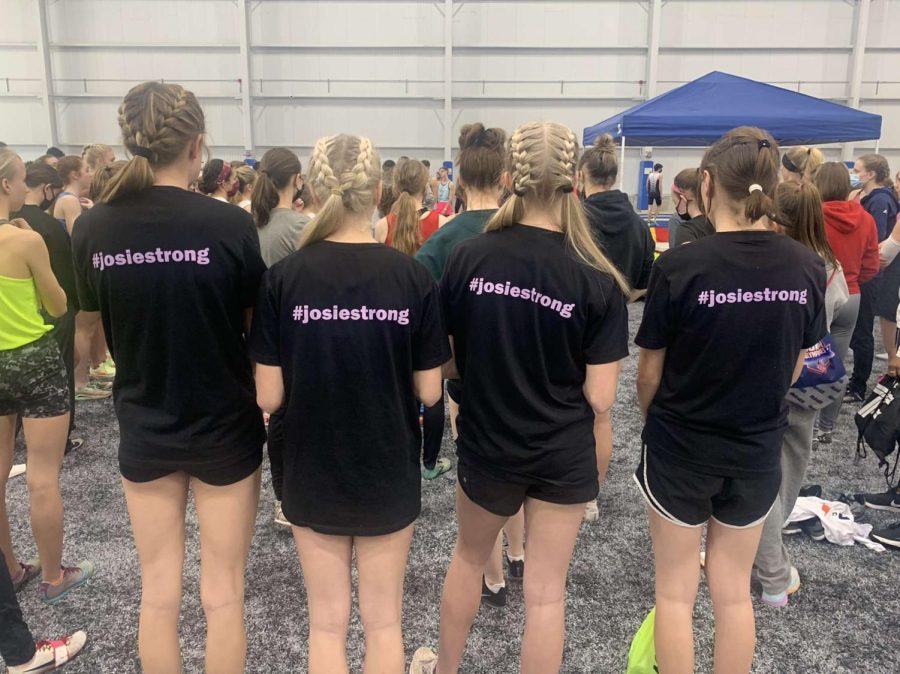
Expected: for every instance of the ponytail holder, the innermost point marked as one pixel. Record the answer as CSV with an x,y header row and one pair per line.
x,y
337,192
568,189
755,188
144,152
519,193
763,143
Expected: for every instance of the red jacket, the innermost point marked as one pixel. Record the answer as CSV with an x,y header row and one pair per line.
x,y
854,239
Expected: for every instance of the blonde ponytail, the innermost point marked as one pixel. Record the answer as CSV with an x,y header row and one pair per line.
x,y
344,172
410,177
542,158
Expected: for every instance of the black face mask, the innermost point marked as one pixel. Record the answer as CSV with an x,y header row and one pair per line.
x,y
46,203
686,217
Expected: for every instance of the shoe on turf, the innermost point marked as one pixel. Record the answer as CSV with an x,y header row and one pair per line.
x,y
889,535
105,370
73,577
811,490
515,569
889,500
50,655
823,438
279,515
857,507
441,466
16,470
781,599
73,444
814,529
591,512
791,529
91,392
424,661
30,570
852,396
496,599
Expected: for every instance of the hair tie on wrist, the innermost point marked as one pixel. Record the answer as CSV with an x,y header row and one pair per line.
x,y
755,188
144,152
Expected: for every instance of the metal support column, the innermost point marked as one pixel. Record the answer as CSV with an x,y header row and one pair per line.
x,y
448,79
653,28
857,61
246,110
43,46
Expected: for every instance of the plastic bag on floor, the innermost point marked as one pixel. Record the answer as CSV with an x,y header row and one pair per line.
x,y
837,519
642,654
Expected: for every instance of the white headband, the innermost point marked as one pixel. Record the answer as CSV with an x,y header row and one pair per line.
x,y
755,188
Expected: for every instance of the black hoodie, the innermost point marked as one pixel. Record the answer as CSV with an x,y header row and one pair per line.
x,y
623,235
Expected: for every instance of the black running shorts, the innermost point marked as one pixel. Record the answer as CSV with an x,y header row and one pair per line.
x,y
33,380
656,199
689,498
219,475
504,498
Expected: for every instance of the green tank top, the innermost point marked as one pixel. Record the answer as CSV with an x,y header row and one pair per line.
x,y
21,322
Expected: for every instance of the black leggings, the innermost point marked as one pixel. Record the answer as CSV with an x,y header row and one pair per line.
x,y
16,642
275,447
432,433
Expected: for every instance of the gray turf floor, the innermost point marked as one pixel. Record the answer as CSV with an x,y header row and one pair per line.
x,y
846,617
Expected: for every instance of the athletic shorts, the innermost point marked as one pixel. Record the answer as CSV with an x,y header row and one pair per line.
x,y
656,199
505,498
689,498
888,296
219,475
33,380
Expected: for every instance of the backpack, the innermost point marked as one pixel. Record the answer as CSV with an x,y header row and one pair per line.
x,y
878,422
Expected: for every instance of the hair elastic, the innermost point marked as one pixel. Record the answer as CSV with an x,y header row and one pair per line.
x,y
762,143
755,188
568,189
789,165
337,192
141,151
519,193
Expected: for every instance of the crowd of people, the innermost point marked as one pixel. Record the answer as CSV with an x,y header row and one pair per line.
x,y
312,292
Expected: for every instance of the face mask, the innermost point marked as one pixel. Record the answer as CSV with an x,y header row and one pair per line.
x,y
855,182
46,203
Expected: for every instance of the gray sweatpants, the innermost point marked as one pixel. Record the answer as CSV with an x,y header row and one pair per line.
x,y
772,563
842,325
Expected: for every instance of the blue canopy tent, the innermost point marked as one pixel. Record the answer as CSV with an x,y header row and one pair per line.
x,y
699,112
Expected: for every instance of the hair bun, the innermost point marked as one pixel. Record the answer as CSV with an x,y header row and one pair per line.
x,y
605,143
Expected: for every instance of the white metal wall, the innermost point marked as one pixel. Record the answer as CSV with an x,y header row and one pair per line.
x,y
378,68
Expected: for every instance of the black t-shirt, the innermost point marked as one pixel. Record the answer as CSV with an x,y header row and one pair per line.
x,y
172,273
733,312
59,245
348,324
527,318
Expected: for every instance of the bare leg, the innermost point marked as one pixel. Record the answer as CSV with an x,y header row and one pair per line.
x,y
85,326
515,534
7,444
493,570
99,350
157,519
46,442
478,530
552,530
676,555
454,412
325,561
381,562
889,336
729,558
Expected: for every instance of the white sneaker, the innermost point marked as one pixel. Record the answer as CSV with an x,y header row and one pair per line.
x,y
18,469
52,654
279,515
591,512
424,661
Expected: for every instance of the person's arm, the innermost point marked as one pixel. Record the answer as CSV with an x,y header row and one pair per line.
x,y
452,192
381,230
71,209
449,369
880,215
428,385
798,366
888,249
600,391
269,387
53,297
650,370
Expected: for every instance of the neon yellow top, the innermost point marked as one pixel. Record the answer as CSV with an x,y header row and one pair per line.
x,y
21,322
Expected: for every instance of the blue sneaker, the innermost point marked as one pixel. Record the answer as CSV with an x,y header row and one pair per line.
x,y
73,577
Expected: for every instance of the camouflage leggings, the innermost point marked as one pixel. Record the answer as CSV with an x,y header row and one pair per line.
x,y
33,380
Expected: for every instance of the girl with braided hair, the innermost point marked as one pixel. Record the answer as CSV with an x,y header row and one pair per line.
x,y
174,276
712,378
539,326
345,308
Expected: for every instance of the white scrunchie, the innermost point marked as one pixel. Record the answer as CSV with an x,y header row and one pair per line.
x,y
755,188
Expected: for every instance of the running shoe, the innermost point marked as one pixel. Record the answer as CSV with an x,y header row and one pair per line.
x,y
105,370
441,466
279,515
823,438
889,535
889,500
91,392
73,577
857,507
50,655
73,444
591,512
30,570
515,568
424,661
16,470
495,599
792,529
781,599
814,529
